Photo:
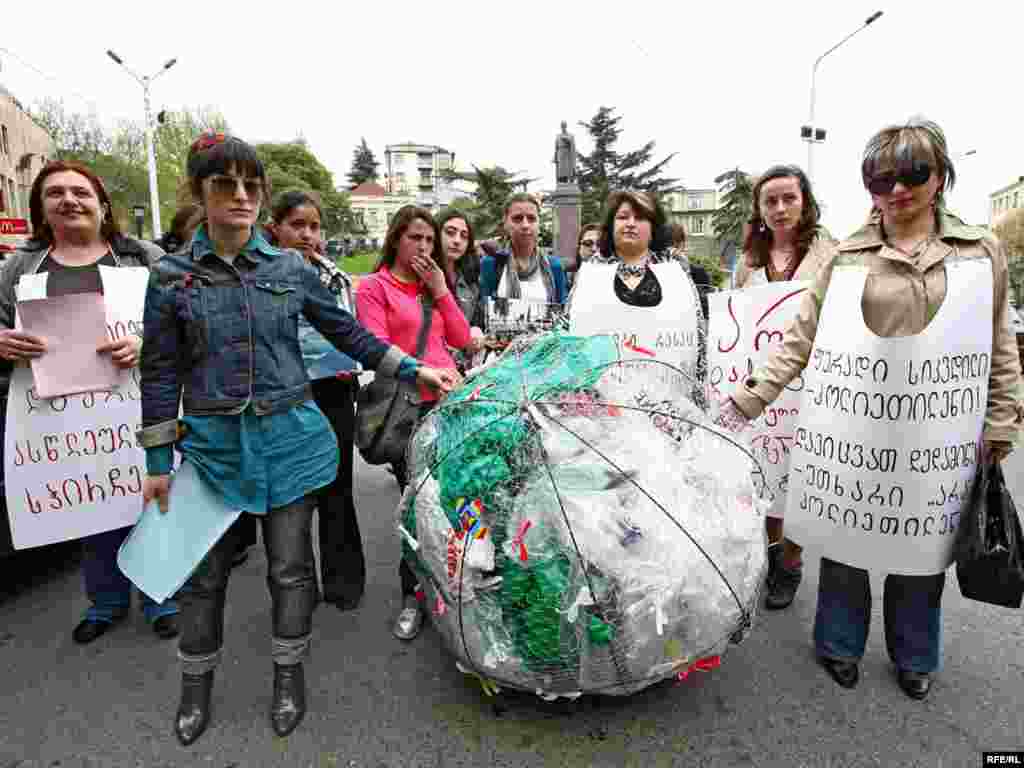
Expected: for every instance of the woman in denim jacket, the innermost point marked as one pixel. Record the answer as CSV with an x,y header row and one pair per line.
x,y
221,337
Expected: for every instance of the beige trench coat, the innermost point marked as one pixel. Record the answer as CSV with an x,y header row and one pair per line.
x,y
820,251
901,296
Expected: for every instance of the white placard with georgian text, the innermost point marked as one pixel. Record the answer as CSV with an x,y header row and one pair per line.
x,y
890,428
72,465
745,328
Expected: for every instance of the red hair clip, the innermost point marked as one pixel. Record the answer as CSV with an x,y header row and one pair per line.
x,y
208,139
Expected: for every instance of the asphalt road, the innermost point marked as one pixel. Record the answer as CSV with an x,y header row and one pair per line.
x,y
374,701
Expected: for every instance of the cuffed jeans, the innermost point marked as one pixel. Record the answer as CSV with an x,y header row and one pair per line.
x,y
912,610
291,580
109,591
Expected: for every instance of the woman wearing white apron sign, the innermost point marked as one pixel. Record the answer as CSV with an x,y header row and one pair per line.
x,y
638,293
914,298
784,242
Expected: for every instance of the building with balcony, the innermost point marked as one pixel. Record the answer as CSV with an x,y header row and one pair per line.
x,y
372,210
24,149
694,208
420,170
1005,200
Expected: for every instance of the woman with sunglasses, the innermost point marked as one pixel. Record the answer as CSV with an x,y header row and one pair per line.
x,y
783,242
75,235
222,339
295,224
918,258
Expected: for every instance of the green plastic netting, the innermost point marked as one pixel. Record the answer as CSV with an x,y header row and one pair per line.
x,y
577,522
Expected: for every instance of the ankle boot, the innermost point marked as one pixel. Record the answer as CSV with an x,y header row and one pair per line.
x,y
194,710
289,704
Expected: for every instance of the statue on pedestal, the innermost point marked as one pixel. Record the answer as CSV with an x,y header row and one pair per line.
x,y
565,157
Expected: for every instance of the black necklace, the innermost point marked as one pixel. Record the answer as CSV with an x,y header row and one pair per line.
x,y
624,270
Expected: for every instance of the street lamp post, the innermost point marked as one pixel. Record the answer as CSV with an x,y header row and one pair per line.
x,y
808,132
145,81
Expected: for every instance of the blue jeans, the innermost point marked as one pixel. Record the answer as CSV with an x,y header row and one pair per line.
x,y
912,610
109,591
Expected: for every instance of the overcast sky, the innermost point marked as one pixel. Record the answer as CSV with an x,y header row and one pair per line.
x,y
722,84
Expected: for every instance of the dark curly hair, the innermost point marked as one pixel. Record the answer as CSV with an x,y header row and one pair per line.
x,y
757,240
647,206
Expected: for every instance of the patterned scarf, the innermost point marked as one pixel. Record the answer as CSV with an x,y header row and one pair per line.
x,y
512,277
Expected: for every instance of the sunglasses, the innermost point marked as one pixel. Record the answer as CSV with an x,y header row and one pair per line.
x,y
883,183
225,186
588,243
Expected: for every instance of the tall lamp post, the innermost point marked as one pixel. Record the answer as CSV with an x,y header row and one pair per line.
x,y
145,81
809,132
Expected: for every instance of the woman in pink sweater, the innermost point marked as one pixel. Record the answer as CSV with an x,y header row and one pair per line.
x,y
389,303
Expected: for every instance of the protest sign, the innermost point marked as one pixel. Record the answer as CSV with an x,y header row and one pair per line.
x,y
72,464
890,428
668,332
745,328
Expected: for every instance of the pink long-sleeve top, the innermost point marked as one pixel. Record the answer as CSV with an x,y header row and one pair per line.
x,y
391,311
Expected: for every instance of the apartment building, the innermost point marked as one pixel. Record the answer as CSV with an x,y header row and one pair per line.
x,y
24,149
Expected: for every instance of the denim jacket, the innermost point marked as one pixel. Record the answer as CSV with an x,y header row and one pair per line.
x,y
225,337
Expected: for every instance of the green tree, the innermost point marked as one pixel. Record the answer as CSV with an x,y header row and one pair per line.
x,y
364,165
606,169
493,185
76,135
712,264
735,209
175,133
291,165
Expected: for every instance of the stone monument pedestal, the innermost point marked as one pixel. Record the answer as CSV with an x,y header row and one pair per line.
x,y
566,203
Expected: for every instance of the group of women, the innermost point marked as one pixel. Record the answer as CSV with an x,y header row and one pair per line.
x,y
240,322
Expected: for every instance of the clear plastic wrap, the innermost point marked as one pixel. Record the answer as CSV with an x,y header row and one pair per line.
x,y
579,524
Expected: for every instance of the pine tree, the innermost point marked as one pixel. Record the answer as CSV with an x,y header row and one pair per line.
x,y
735,209
605,170
364,165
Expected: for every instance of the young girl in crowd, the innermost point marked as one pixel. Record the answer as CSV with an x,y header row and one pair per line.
x,y
295,222
462,263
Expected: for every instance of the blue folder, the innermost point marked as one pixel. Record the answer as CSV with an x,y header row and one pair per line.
x,y
163,550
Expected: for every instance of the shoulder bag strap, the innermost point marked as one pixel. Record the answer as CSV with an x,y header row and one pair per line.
x,y
428,316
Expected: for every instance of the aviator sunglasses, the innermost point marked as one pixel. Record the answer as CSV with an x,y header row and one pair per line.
x,y
915,176
225,186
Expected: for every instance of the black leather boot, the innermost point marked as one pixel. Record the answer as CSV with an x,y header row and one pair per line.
x,y
194,710
289,704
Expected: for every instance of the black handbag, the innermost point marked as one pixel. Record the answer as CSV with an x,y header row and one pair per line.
x,y
989,561
387,408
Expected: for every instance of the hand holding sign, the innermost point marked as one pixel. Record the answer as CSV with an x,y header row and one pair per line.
x,y
124,352
157,487
18,345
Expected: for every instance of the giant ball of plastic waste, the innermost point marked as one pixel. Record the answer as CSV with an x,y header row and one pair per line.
x,y
578,524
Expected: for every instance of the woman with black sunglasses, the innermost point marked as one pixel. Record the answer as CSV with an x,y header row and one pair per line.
x,y
783,242
901,288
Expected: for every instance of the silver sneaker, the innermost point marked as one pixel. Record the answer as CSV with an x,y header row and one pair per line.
x,y
409,621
